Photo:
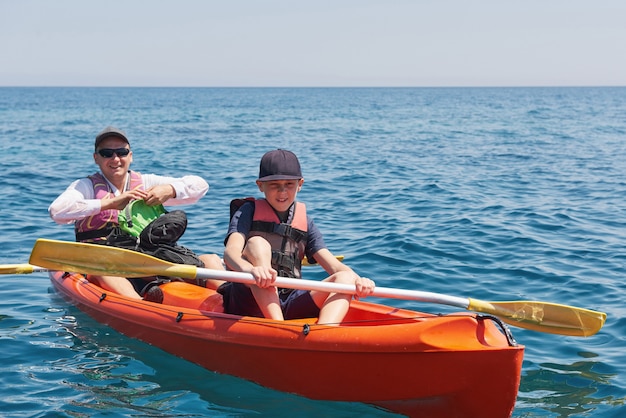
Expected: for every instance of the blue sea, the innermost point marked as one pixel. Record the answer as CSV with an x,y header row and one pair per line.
x,y
491,193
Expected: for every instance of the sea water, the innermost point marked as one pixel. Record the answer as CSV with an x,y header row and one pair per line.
x,y
489,193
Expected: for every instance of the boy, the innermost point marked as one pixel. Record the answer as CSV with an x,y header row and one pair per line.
x,y
269,238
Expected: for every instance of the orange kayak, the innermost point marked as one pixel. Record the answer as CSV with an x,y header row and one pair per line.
x,y
413,363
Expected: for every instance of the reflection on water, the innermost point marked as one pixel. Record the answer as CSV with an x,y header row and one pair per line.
x,y
116,374
569,389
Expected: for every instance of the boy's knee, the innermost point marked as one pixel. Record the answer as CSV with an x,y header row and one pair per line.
x,y
258,242
257,248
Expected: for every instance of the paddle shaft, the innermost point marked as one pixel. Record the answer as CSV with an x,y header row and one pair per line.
x,y
20,269
26,268
330,287
537,316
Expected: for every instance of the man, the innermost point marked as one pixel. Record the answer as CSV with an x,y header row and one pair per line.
x,y
92,203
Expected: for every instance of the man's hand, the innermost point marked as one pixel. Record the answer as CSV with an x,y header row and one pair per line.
x,y
159,194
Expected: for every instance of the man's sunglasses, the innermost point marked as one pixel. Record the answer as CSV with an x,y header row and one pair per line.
x,y
108,152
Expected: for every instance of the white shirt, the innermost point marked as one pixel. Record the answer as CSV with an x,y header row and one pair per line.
x,y
78,200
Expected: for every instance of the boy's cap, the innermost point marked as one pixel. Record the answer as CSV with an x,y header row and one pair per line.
x,y
110,131
279,164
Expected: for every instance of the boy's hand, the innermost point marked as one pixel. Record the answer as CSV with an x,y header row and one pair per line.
x,y
264,276
364,287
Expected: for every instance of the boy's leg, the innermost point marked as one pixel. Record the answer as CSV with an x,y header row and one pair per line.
x,y
334,305
258,252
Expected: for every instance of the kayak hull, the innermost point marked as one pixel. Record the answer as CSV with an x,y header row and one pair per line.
x,y
409,362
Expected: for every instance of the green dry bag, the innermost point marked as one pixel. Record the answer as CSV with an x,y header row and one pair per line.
x,y
137,215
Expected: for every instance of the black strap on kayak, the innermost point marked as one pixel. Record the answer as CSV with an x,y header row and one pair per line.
x,y
505,329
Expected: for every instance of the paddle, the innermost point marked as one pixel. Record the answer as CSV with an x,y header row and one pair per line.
x,y
305,262
29,268
99,259
20,269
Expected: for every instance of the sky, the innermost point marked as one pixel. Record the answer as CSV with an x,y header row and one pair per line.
x,y
321,43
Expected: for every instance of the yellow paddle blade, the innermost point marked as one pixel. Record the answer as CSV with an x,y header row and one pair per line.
x,y
19,269
101,259
544,317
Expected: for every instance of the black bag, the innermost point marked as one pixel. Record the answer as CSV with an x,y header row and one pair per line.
x,y
159,239
176,254
166,229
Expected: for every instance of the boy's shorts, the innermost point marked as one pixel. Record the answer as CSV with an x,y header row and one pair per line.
x,y
238,300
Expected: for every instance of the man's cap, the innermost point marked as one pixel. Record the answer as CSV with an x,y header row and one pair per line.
x,y
279,164
111,131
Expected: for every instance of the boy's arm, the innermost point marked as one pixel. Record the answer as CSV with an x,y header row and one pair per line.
x,y
329,262
236,239
264,274
232,253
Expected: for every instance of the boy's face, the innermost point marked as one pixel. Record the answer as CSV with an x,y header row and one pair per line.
x,y
280,194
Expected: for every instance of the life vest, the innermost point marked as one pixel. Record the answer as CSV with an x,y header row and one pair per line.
x,y
288,240
95,228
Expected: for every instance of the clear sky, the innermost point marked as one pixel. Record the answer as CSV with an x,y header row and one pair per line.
x,y
312,43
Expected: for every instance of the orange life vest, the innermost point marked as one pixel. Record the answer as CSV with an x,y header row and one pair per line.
x,y
287,239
